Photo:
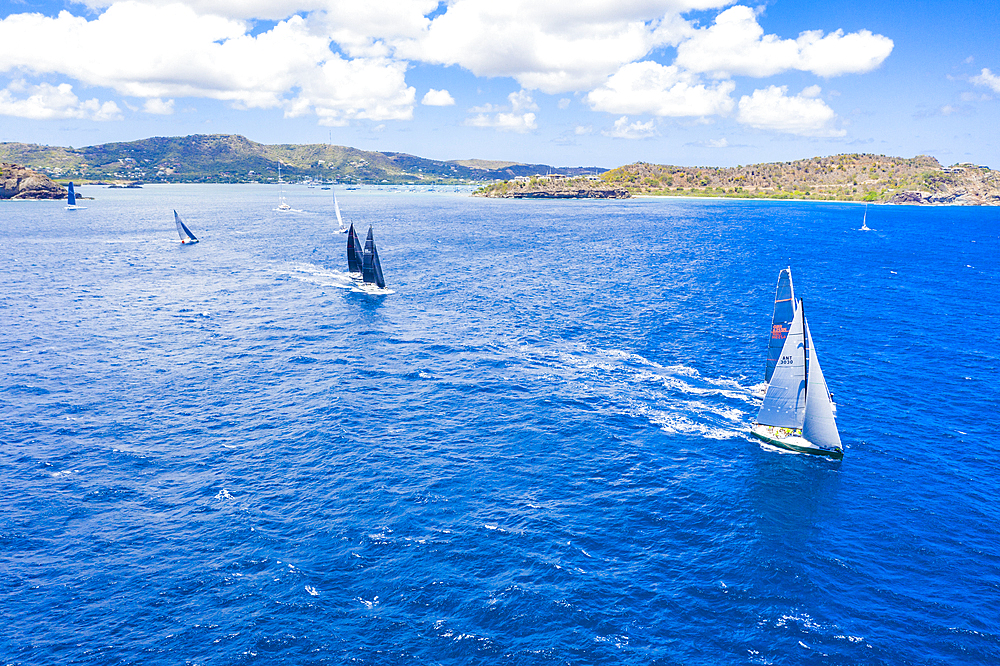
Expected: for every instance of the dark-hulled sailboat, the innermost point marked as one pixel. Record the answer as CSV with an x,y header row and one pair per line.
x,y
187,238
371,269
798,413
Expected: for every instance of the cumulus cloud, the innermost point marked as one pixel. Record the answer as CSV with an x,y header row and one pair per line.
x,y
151,51
735,44
988,79
438,98
509,121
48,102
342,60
648,87
803,114
554,46
158,106
623,129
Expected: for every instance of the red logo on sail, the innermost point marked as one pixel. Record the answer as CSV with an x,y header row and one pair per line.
x,y
779,331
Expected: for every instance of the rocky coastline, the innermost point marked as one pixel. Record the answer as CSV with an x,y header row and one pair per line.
x,y
18,182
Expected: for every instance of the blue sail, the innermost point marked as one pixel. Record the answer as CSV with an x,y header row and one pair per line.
x,y
71,201
781,320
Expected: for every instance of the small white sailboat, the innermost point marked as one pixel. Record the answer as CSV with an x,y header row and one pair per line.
x,y
798,413
187,238
340,220
282,204
864,221
71,199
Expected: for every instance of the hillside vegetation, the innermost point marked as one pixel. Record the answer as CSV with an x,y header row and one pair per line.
x,y
852,177
220,158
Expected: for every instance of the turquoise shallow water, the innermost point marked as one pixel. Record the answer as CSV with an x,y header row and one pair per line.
x,y
535,451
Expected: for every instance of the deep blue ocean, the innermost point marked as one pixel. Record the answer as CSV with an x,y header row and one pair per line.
x,y
535,451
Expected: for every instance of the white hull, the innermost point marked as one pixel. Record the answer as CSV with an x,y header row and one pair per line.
x,y
792,440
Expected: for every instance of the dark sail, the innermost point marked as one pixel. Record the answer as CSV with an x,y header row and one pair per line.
x,y
355,256
183,231
377,267
72,195
371,269
784,312
368,263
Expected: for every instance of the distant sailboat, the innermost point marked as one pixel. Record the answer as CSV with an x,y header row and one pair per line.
x,y
187,238
355,254
71,199
864,221
340,220
282,204
371,269
798,413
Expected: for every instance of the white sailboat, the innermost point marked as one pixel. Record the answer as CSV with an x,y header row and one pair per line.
x,y
71,199
340,220
282,204
187,238
798,413
864,221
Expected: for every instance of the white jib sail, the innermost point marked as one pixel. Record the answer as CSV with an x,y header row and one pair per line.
x,y
785,401
819,426
336,207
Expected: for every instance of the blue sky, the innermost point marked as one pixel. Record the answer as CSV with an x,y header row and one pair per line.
x,y
581,83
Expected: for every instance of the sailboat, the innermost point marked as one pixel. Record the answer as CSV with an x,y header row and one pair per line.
x,y
355,254
864,222
340,220
282,204
187,238
798,413
371,269
71,199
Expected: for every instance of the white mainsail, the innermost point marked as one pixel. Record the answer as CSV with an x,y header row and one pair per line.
x,y
336,208
819,426
785,401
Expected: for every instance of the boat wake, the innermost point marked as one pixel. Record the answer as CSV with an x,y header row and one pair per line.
x,y
676,399
318,275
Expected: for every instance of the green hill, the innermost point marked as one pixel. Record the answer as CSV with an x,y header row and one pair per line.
x,y
220,158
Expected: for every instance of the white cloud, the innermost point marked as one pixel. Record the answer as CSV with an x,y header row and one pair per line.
x,y
158,106
625,130
648,87
554,46
342,60
804,114
48,102
508,122
515,121
151,51
438,98
564,103
735,44
581,130
988,79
